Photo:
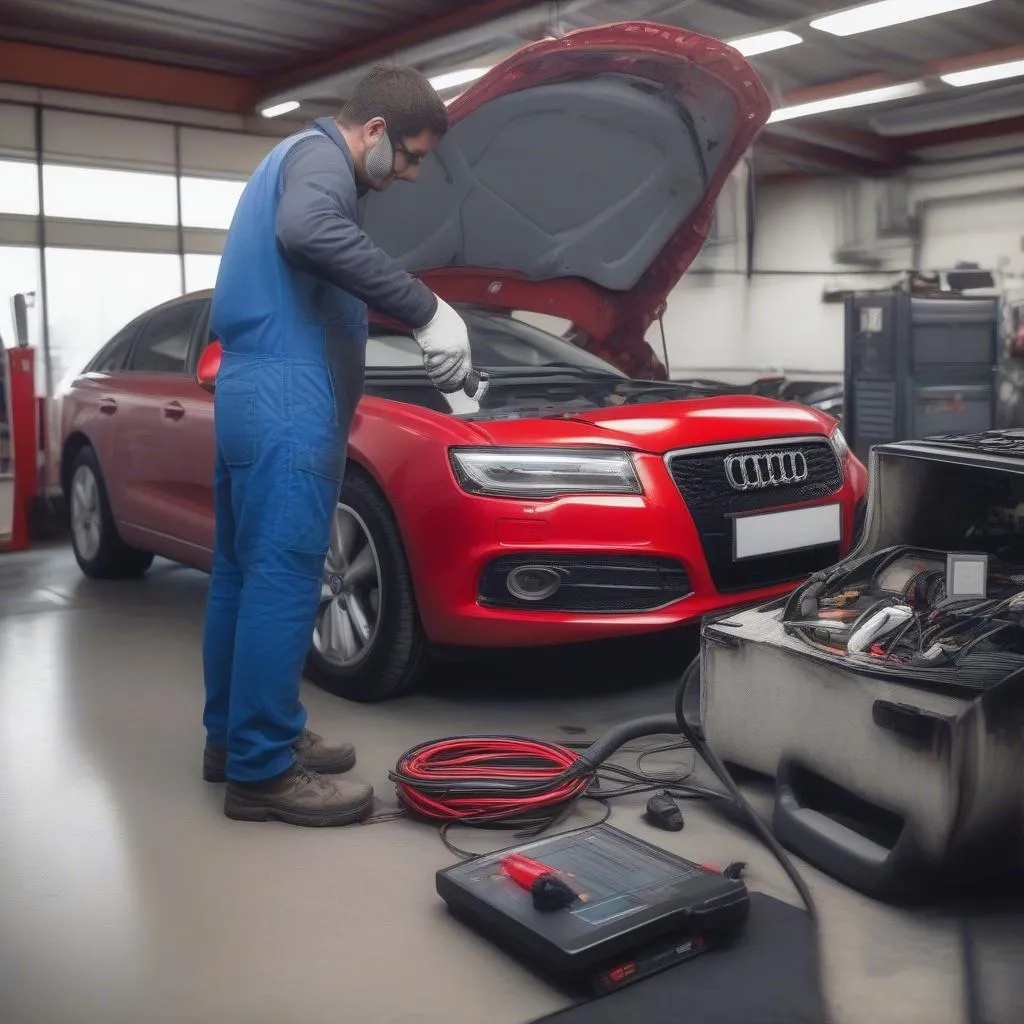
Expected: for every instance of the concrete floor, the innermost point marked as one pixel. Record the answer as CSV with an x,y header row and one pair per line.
x,y
128,897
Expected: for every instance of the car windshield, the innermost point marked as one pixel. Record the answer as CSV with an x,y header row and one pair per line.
x,y
499,343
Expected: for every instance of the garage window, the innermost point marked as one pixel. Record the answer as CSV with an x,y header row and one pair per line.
x,y
209,203
98,193
164,345
19,188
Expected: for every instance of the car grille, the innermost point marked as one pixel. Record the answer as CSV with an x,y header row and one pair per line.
x,y
713,504
590,583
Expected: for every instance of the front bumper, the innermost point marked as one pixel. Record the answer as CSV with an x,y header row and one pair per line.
x,y
453,573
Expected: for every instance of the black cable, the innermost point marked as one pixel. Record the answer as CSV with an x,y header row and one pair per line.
x,y
980,638
526,833
726,779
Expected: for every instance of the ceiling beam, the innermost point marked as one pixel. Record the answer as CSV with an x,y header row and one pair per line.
x,y
840,138
46,67
878,80
963,133
1003,55
466,17
826,90
820,155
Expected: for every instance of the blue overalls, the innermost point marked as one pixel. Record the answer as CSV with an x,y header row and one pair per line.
x,y
290,380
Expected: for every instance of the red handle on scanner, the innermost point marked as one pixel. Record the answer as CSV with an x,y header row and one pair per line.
x,y
549,891
523,871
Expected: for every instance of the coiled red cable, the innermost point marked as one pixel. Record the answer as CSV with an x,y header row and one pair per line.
x,y
508,781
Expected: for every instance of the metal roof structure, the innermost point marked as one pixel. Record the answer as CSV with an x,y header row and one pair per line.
x,y
249,55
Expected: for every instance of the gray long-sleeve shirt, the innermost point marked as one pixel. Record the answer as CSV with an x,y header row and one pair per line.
x,y
318,231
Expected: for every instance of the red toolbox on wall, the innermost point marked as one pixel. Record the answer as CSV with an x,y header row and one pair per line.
x,y
19,446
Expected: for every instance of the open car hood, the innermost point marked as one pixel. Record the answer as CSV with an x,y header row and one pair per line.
x,y
578,177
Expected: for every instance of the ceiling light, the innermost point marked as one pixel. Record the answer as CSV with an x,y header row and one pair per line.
x,y
280,108
868,17
991,73
851,99
456,78
764,42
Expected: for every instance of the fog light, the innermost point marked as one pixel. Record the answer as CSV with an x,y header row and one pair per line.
x,y
533,582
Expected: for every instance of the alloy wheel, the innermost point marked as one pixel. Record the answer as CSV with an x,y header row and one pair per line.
x,y
350,594
85,512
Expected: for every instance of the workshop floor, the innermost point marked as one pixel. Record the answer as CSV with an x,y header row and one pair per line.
x,y
127,896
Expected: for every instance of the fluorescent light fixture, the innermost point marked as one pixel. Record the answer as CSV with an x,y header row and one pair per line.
x,y
455,78
764,42
851,99
991,73
280,108
868,17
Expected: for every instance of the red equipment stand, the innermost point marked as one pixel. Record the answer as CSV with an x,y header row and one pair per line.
x,y
22,441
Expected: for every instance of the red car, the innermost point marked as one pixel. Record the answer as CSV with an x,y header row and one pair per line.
x,y
580,502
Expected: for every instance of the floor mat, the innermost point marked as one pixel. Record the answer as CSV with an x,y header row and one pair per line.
x,y
768,976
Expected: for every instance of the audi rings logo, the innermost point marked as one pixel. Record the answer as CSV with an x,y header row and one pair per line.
x,y
758,470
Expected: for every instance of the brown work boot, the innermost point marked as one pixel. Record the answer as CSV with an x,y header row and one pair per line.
x,y
299,797
310,749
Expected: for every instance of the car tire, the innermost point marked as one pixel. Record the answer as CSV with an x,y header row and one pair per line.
x,y
98,547
391,661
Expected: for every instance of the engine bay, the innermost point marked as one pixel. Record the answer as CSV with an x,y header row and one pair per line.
x,y
512,399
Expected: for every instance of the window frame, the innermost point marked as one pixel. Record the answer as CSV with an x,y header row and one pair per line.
x,y
202,336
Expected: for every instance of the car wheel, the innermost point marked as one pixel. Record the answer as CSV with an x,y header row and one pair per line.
x,y
99,549
368,643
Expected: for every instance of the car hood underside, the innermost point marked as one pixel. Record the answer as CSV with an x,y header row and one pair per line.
x,y
579,177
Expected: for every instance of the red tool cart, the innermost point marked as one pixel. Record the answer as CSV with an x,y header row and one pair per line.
x,y
19,446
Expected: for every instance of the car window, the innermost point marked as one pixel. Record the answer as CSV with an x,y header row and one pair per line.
x,y
111,357
389,349
163,346
497,342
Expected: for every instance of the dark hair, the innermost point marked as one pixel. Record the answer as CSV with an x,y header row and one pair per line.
x,y
402,96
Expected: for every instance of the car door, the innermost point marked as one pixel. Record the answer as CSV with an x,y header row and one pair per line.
x,y
97,398
156,404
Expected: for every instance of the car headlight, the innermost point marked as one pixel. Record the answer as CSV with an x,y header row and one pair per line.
x,y
544,473
839,444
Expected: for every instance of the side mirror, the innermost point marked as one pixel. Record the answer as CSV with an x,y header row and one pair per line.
x,y
209,366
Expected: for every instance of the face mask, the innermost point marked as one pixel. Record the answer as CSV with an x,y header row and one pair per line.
x,y
380,161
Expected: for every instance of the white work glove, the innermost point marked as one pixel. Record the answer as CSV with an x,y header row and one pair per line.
x,y
445,344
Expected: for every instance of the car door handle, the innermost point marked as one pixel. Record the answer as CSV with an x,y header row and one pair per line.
x,y
174,410
108,406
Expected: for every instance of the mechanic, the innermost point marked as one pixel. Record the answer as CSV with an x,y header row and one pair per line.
x,y
290,310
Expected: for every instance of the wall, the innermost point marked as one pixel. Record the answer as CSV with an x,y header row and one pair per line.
x,y
719,323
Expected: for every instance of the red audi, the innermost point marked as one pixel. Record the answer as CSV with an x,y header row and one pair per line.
x,y
582,501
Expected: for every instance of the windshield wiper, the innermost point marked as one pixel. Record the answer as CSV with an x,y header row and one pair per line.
x,y
552,368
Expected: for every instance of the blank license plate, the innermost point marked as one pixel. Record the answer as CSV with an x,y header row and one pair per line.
x,y
794,530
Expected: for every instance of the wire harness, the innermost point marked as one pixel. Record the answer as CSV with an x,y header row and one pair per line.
x,y
515,782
